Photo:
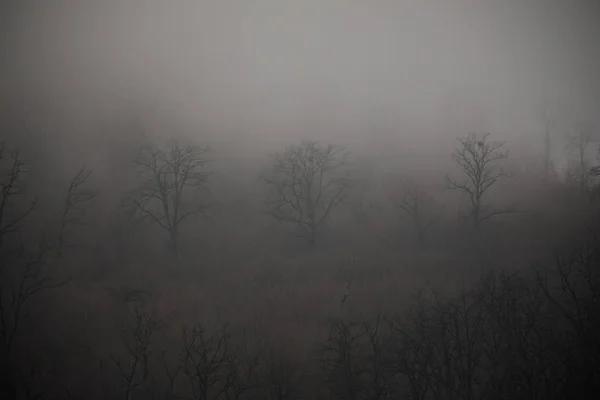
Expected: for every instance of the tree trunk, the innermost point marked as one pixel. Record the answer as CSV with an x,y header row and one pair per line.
x,y
173,242
312,235
476,215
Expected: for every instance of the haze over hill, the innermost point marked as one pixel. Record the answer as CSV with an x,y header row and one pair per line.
x,y
264,70
309,199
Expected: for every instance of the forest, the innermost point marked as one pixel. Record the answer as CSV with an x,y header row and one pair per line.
x,y
221,201
354,287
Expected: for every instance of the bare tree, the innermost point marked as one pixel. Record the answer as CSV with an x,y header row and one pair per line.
x,y
594,175
354,359
170,174
578,142
419,206
477,158
280,379
134,368
22,278
571,287
306,185
412,352
74,211
10,188
376,375
172,375
241,375
341,362
204,361
22,275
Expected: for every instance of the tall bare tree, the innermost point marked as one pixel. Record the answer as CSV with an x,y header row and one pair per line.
x,y
74,211
133,367
477,157
578,143
170,175
22,274
308,182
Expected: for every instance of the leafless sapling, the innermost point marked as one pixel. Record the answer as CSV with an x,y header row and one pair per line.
x,y
172,375
242,377
280,379
170,175
22,277
74,207
22,274
477,158
377,380
466,319
341,360
572,288
134,367
516,356
11,188
308,182
411,353
204,360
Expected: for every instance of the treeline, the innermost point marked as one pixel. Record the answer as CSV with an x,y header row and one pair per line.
x,y
532,334
527,335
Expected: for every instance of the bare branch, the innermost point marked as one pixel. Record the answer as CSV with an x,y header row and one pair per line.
x,y
10,188
203,359
477,158
578,143
74,208
25,280
306,186
135,370
170,175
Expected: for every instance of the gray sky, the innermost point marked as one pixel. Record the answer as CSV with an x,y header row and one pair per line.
x,y
262,70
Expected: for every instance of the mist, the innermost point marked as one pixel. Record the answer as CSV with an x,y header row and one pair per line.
x,y
267,70
459,141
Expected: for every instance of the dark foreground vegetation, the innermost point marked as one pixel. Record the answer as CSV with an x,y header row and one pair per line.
x,y
318,284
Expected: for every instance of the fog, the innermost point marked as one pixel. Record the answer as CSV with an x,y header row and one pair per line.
x,y
266,70
261,82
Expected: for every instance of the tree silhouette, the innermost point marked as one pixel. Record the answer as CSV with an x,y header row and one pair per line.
x,y
74,212
307,184
477,158
578,142
163,196
22,278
